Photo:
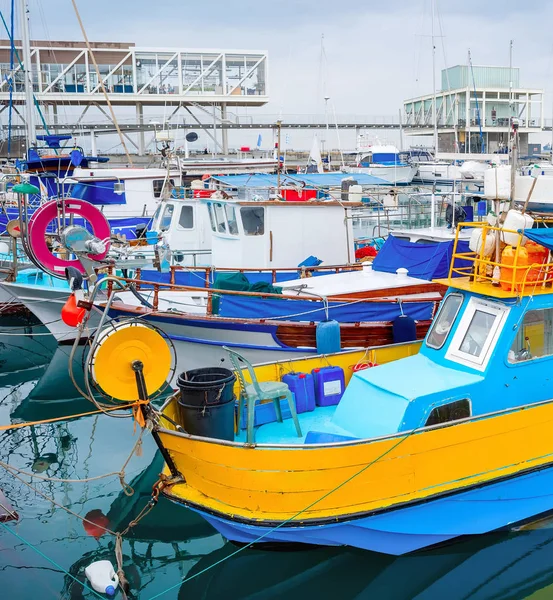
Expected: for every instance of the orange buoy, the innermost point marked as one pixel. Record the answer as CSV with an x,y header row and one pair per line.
x,y
96,523
71,314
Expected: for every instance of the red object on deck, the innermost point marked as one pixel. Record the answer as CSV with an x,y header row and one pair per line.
x,y
244,148
295,195
364,252
202,193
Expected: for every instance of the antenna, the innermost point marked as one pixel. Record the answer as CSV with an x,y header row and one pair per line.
x,y
435,114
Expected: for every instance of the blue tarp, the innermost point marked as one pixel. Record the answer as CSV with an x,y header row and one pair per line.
x,y
544,237
242,307
424,261
315,180
196,278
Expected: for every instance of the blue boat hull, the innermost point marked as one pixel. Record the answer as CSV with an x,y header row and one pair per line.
x,y
400,531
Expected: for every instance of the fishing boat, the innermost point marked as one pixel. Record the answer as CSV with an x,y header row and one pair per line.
x,y
449,442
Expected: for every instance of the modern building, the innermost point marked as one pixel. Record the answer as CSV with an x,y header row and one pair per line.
x,y
211,81
473,109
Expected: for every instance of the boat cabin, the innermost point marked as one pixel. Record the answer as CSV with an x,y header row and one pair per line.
x,y
275,234
489,349
183,224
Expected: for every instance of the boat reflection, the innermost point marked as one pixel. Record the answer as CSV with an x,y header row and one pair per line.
x,y
498,565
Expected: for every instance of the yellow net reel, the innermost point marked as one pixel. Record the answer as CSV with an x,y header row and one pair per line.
x,y
115,351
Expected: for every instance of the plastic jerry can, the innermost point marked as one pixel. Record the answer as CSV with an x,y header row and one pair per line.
x,y
329,385
102,577
303,388
328,337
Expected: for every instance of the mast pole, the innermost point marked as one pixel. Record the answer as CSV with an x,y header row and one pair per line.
x,y
434,111
30,128
513,128
279,128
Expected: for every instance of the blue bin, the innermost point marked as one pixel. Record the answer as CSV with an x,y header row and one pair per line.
x,y
265,413
329,385
303,388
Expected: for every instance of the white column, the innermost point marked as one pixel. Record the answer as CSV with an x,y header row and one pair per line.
x,y
140,121
93,148
224,131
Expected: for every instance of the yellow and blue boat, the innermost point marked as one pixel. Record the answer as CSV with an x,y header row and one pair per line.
x,y
449,441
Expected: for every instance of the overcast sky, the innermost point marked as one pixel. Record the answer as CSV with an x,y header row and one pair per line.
x,y
378,53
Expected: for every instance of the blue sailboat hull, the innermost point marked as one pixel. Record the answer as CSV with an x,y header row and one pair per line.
x,y
400,531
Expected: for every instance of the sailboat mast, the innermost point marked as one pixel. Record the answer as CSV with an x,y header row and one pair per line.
x,y
434,111
29,97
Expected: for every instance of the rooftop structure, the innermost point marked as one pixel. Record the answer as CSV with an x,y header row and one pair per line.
x,y
476,101
63,73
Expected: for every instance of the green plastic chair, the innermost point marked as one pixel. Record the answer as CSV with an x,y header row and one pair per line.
x,y
259,391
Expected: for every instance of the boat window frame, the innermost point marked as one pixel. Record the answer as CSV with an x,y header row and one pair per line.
x,y
220,218
168,206
437,318
454,352
192,214
232,229
532,359
210,212
170,183
247,230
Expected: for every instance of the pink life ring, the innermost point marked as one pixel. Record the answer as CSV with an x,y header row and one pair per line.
x,y
44,215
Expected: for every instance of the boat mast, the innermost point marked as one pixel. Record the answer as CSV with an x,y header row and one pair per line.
x,y
29,97
434,111
513,126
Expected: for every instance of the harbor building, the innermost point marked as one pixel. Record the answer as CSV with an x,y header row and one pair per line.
x,y
201,83
473,110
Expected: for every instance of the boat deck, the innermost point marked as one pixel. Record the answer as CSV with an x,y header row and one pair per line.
x,y
319,419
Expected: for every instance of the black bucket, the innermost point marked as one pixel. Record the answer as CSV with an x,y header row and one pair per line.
x,y
206,403
211,421
211,385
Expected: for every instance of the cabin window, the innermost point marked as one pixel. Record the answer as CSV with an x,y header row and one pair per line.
x,y
186,218
166,217
477,333
220,221
534,338
253,220
460,409
231,219
158,186
444,321
211,216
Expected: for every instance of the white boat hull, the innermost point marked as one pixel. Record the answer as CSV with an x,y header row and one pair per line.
x,y
46,304
396,175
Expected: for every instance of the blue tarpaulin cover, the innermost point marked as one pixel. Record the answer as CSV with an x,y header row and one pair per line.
x,y
316,180
544,237
242,307
424,261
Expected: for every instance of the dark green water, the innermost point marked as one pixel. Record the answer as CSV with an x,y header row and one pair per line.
x,y
172,544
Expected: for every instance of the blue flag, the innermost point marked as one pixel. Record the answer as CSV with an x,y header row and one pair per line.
x,y
259,138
